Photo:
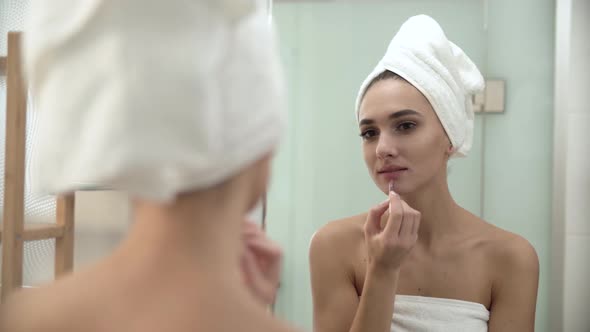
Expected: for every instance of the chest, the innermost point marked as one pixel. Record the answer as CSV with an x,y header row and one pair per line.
x,y
452,273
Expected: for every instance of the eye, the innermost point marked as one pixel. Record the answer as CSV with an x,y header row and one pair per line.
x,y
405,126
368,134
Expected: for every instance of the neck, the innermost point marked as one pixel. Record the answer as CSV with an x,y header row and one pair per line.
x,y
186,255
196,240
439,211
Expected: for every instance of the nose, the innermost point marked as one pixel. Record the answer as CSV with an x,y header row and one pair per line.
x,y
386,147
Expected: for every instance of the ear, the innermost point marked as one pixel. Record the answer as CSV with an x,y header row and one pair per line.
x,y
449,150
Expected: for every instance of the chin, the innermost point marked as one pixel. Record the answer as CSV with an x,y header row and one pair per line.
x,y
400,188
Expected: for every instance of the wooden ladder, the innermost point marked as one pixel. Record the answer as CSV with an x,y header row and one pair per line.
x,y
13,230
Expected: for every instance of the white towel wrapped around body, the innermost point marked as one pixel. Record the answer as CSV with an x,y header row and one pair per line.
x,y
421,54
428,314
150,97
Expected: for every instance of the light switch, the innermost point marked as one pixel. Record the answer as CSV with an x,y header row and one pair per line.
x,y
478,102
491,100
494,96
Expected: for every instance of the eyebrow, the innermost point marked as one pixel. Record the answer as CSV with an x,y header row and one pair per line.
x,y
391,116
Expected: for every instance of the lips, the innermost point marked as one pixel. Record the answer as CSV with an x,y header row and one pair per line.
x,y
392,172
387,169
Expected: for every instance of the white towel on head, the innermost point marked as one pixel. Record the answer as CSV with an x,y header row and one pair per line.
x,y
421,54
429,314
151,97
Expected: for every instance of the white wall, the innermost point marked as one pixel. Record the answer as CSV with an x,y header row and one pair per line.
x,y
571,224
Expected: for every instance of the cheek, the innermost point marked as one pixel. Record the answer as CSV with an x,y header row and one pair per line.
x,y
427,149
369,154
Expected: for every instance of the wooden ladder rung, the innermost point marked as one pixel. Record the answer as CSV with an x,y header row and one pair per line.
x,y
44,231
2,65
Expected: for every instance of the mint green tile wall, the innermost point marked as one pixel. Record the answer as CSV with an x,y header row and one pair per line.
x,y
319,174
519,143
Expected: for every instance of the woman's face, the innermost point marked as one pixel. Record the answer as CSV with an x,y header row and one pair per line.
x,y
403,140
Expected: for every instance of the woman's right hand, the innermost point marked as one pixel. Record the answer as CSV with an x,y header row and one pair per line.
x,y
388,246
261,263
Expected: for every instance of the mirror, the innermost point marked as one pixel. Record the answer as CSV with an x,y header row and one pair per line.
x,y
329,47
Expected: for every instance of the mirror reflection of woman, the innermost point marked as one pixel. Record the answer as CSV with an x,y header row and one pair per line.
x,y
418,261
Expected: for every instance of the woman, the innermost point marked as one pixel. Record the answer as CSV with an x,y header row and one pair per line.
x,y
157,99
420,262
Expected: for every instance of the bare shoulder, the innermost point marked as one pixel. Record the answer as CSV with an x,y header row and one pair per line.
x,y
513,251
338,236
59,306
29,310
12,310
507,251
517,260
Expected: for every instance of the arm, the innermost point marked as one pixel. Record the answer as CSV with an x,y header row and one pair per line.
x,y
514,294
375,309
335,299
336,304
337,307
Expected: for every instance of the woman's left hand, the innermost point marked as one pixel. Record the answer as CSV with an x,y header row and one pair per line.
x,y
261,263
